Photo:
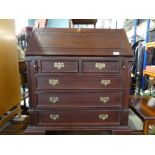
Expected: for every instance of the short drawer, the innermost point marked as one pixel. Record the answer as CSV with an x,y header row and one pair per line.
x,y
100,66
78,82
59,66
74,99
79,117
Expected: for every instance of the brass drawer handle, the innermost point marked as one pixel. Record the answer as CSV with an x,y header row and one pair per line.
x,y
105,82
104,99
103,116
100,65
59,65
54,116
53,82
53,99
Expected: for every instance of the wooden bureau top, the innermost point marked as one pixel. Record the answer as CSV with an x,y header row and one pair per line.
x,y
78,42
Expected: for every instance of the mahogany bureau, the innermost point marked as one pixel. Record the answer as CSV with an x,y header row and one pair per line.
x,y
78,80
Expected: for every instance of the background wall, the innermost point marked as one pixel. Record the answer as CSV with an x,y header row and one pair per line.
x,y
52,23
64,23
58,23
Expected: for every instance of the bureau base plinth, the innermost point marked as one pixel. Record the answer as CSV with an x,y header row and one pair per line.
x,y
34,131
114,130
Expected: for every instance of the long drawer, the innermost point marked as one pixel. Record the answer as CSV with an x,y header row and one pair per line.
x,y
70,99
78,82
79,117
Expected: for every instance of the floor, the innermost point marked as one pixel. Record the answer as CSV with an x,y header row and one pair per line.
x,y
15,127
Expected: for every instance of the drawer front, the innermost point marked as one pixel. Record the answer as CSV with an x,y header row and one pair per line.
x,y
78,82
79,117
70,100
59,66
100,66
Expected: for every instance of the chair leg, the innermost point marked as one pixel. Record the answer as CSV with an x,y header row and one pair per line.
x,y
146,127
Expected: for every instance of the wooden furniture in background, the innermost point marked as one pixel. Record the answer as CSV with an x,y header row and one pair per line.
x,y
79,80
151,74
9,72
150,45
144,108
82,22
